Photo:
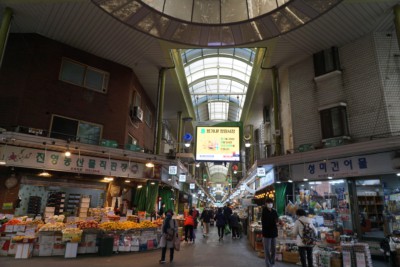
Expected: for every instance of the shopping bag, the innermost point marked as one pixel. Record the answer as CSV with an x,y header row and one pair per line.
x,y
177,243
227,231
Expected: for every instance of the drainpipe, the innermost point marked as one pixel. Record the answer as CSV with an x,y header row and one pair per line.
x,y
275,103
396,11
179,138
160,109
4,31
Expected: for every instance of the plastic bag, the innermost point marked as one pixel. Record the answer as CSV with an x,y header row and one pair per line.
x,y
227,231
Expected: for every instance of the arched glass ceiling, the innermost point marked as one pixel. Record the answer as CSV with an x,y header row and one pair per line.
x,y
215,23
218,80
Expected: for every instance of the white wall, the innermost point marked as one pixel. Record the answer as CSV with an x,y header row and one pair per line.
x,y
360,86
388,54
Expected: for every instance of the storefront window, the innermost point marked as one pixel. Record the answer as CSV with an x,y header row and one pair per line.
x,y
370,207
391,216
328,202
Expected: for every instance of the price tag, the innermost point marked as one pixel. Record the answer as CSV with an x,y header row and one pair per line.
x,y
129,212
71,219
19,228
30,231
9,228
122,219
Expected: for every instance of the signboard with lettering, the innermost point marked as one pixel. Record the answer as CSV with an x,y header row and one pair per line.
x,y
379,163
182,178
53,160
260,172
217,143
192,185
173,170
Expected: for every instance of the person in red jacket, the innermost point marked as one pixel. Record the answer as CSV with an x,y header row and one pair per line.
x,y
189,224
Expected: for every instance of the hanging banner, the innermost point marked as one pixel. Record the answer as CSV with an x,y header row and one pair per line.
x,y
53,160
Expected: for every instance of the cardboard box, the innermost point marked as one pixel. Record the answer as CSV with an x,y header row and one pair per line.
x,y
46,249
71,250
24,251
58,249
4,246
82,248
36,249
12,250
292,257
92,249
46,237
58,238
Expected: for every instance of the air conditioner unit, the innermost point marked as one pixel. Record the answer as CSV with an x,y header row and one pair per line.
x,y
136,114
167,148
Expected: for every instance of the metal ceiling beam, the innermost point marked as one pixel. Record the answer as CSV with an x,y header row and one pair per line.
x,y
179,70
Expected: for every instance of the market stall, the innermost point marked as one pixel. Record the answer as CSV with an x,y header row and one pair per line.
x,y
24,237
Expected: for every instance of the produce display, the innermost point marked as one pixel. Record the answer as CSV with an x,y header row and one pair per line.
x,y
87,224
73,235
57,226
109,226
23,239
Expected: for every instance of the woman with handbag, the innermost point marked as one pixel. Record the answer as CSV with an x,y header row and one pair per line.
x,y
169,236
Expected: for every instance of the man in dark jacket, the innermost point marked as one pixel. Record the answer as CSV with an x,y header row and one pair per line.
x,y
205,217
227,214
269,220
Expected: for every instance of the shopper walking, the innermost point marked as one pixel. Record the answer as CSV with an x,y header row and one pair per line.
x,y
269,220
220,223
195,217
189,224
205,217
169,234
234,222
227,214
305,233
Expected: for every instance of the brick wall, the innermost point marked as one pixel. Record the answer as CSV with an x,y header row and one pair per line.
x,y
31,91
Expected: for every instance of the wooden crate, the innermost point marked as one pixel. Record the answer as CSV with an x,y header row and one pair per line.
x,y
292,257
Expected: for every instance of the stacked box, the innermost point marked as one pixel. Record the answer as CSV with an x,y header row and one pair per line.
x,y
58,245
4,245
125,242
84,207
24,250
46,243
71,250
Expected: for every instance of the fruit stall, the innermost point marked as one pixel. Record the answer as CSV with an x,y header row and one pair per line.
x,y
23,237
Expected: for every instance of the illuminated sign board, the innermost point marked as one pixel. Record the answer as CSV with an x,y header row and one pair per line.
x,y
218,143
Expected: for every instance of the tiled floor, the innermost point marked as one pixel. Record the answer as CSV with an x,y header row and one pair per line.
x,y
206,252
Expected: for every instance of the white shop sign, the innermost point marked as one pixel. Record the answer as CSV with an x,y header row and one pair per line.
x,y
379,163
52,160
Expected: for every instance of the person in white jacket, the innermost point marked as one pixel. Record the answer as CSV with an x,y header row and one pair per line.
x,y
305,250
